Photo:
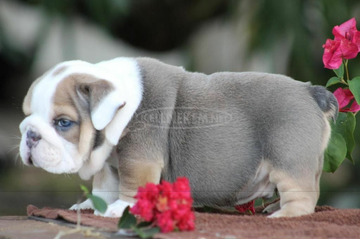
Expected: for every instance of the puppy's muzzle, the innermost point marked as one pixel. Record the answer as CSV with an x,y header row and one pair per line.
x,y
32,138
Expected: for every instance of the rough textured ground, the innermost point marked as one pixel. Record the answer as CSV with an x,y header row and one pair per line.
x,y
326,222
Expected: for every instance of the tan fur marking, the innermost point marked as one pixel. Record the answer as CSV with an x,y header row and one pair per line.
x,y
61,109
59,70
297,196
86,137
133,174
67,104
64,107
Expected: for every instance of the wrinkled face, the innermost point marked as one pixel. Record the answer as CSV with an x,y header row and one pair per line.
x,y
58,133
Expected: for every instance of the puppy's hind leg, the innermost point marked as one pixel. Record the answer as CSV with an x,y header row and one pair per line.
x,y
272,207
298,195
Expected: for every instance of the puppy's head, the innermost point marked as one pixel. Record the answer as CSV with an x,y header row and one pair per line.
x,y
67,112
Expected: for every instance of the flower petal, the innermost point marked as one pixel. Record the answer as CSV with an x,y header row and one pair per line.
x,y
343,96
356,39
348,49
165,222
355,107
345,30
332,54
246,207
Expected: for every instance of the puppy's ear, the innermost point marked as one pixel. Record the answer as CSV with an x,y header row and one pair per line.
x,y
27,100
102,101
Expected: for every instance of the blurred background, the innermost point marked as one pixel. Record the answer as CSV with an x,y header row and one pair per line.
x,y
202,35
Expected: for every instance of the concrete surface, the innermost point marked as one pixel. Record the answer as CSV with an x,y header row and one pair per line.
x,y
21,227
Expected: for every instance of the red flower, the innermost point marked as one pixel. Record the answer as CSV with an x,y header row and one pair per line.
x,y
168,205
165,221
346,44
246,207
181,187
186,223
344,97
149,192
144,209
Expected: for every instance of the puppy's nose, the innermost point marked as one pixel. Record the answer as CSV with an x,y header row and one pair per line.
x,y
32,138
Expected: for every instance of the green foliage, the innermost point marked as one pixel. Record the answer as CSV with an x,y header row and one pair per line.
x,y
84,189
127,221
341,143
335,152
354,86
142,229
98,203
332,81
146,233
340,71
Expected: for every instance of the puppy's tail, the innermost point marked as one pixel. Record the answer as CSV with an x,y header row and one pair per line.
x,y
326,101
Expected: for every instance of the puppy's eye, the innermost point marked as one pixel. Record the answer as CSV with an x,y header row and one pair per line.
x,y
63,124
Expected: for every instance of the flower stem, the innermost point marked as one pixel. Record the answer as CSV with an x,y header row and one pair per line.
x,y
346,69
342,80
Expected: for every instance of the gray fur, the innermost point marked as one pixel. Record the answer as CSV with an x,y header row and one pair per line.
x,y
326,101
267,117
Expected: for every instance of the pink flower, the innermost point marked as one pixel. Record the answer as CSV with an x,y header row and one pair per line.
x,y
246,207
346,44
168,206
332,57
344,97
348,31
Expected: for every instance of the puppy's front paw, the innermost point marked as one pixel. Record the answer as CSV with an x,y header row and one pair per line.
x,y
115,209
84,205
272,207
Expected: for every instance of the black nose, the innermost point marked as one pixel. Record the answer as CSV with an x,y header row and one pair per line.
x,y
32,138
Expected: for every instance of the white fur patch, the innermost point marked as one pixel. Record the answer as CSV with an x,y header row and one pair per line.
x,y
105,185
106,110
115,209
52,153
96,161
262,187
87,204
127,81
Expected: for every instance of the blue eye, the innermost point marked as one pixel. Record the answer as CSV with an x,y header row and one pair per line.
x,y
63,124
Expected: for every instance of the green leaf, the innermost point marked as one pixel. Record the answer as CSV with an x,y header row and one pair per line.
x,y
84,189
98,203
127,220
335,152
345,125
143,224
341,143
354,86
340,71
333,81
147,232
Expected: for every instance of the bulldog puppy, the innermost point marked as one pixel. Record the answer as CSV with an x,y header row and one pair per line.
x,y
129,121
